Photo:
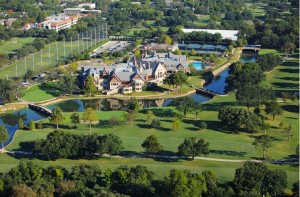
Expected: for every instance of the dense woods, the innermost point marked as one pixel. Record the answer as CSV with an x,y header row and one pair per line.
x,y
28,178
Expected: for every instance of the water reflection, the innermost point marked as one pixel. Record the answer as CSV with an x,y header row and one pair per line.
x,y
110,104
12,119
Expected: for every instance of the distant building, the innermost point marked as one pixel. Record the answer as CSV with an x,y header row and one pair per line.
x,y
226,34
159,47
73,11
59,22
89,5
7,22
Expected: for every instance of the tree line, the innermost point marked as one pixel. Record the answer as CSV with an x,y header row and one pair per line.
x,y
30,179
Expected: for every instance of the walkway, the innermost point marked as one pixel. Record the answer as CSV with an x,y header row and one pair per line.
x,y
293,161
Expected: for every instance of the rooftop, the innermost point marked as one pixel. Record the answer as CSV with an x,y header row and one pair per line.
x,y
226,34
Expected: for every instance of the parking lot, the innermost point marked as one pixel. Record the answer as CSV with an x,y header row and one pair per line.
x,y
112,46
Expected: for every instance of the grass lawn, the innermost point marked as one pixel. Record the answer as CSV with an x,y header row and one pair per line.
x,y
9,47
40,92
43,58
265,51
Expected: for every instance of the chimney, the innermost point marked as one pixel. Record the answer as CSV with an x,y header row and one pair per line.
x,y
140,67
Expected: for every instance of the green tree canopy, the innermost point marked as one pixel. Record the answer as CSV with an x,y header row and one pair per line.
x,y
89,85
90,116
273,108
56,117
192,147
152,145
263,142
3,134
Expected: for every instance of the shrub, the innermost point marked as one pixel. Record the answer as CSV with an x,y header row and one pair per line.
x,y
31,125
202,125
114,121
40,125
155,123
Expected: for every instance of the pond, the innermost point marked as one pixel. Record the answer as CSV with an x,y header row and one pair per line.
x,y
218,83
10,120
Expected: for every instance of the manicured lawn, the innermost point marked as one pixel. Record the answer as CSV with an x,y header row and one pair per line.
x,y
40,92
8,47
265,51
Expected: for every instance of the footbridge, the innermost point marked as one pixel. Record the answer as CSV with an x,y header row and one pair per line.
x,y
252,47
40,109
206,92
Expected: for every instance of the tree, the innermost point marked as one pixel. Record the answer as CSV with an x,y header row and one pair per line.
x,y
40,124
295,189
114,121
22,190
263,142
255,176
133,104
89,85
274,183
21,124
167,39
155,123
152,145
75,118
67,84
180,79
184,104
170,81
287,132
201,125
137,53
196,109
288,48
273,108
28,75
3,135
72,68
90,116
130,116
183,183
8,91
31,125
192,147
56,117
112,144
176,123
251,95
150,116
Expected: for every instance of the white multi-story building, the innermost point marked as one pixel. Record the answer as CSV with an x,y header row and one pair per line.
x,y
59,22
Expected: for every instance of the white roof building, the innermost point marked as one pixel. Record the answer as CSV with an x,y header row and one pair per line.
x,y
90,5
226,34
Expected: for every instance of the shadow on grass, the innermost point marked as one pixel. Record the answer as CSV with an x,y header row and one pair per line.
x,y
292,63
289,70
166,120
227,152
160,112
290,78
216,106
147,126
291,108
49,89
53,126
286,85
192,128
